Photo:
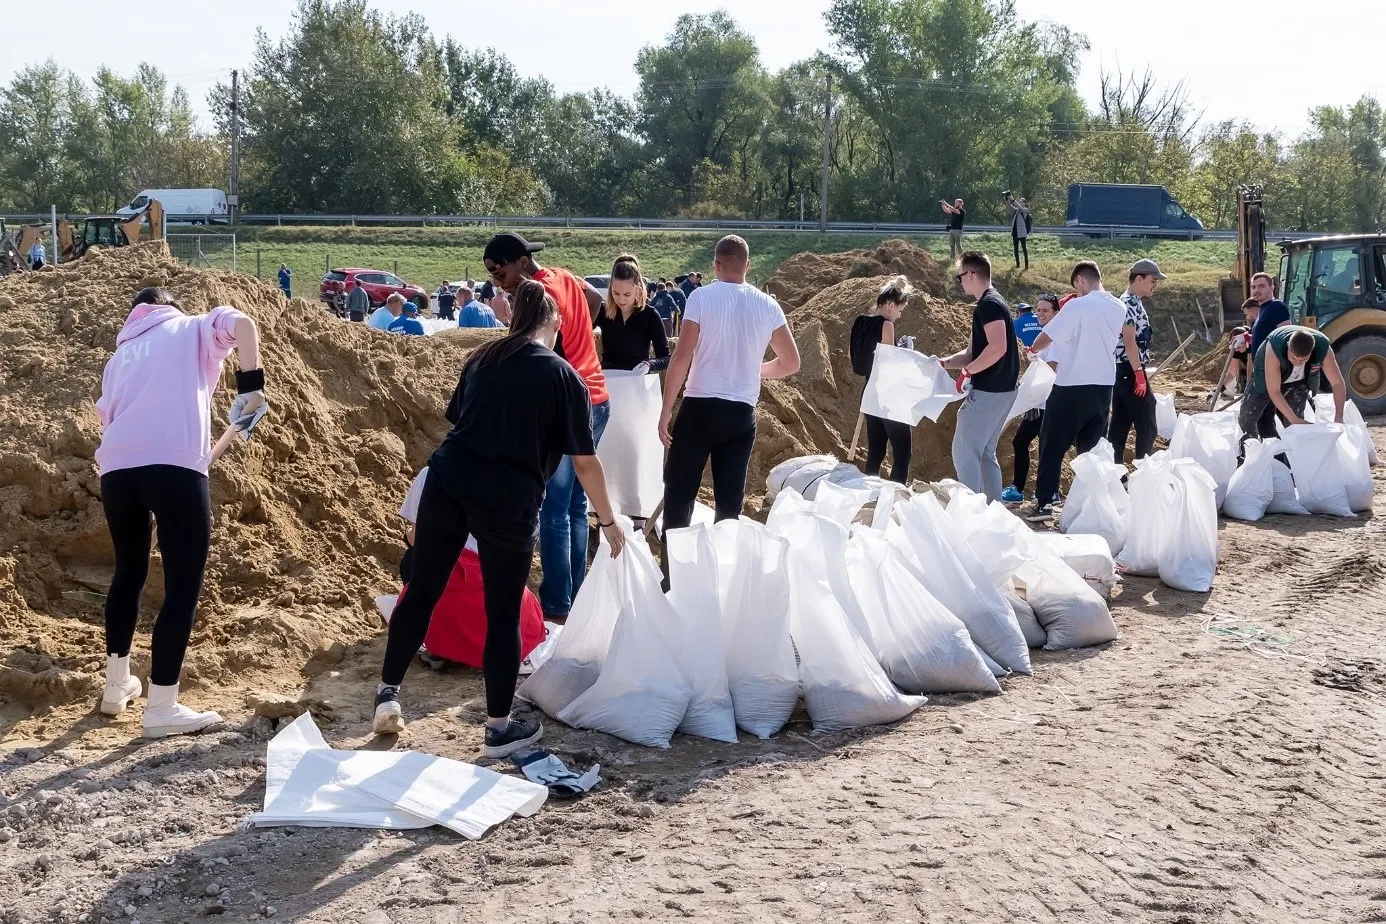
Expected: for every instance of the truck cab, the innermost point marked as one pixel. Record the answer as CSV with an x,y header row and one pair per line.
x,y
1338,285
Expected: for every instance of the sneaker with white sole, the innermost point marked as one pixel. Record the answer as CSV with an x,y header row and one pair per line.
x,y
1011,495
117,695
1039,513
389,716
515,736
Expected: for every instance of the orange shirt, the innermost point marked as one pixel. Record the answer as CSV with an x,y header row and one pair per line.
x,y
579,344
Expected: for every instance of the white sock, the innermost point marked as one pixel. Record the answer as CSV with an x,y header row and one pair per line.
x,y
162,697
117,670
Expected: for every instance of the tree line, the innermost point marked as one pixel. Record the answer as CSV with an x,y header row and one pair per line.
x,y
354,111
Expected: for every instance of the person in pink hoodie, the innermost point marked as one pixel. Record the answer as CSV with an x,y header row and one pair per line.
x,y
156,447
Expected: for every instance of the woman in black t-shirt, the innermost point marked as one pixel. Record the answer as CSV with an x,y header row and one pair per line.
x,y
517,410
878,326
630,327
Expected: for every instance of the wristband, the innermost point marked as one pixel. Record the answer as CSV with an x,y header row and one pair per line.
x,y
248,381
601,525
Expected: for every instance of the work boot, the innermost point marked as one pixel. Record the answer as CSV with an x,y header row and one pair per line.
x,y
121,689
165,716
389,716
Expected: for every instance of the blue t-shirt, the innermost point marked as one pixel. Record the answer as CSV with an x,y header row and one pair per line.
x,y
406,325
1273,314
475,314
1027,327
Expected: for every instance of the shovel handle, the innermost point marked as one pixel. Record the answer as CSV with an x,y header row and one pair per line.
x,y
223,441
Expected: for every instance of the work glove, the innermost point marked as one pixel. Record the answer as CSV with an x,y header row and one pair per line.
x,y
962,380
1141,385
906,342
247,411
641,369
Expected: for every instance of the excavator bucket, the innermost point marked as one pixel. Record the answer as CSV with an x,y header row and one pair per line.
x,y
134,228
66,245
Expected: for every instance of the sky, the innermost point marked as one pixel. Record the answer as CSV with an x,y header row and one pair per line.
x,y
1301,54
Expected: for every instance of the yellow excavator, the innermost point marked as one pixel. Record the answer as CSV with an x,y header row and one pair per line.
x,y
94,231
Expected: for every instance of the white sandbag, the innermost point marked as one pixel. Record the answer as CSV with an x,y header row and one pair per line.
x,y
1072,613
631,453
693,592
1189,556
1322,410
1033,389
1000,539
775,481
840,503
642,693
1211,441
1252,487
906,386
806,479
843,684
1319,464
578,655
1097,503
922,647
1165,416
1034,633
1088,555
955,576
1353,450
1285,498
753,588
1148,488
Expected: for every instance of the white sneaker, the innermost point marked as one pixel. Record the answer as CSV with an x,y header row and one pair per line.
x,y
165,716
117,695
389,717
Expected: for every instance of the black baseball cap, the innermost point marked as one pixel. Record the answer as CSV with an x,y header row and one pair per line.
x,y
508,246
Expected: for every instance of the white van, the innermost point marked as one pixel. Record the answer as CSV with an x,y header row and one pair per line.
x,y
181,205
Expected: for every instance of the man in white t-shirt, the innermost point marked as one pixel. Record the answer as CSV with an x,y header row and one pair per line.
x,y
1084,336
720,354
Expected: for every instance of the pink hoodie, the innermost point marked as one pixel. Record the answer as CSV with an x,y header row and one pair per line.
x,y
156,392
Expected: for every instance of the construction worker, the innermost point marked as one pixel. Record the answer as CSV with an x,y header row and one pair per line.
x,y
1288,369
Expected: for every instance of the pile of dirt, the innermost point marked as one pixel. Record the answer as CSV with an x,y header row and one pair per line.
x,y
305,526
804,276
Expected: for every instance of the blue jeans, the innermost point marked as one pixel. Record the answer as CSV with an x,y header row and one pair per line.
x,y
563,529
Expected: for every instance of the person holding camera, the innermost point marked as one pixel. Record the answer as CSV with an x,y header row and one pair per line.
x,y
1020,227
956,216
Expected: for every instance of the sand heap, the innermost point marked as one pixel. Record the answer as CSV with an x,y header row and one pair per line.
x,y
305,525
803,276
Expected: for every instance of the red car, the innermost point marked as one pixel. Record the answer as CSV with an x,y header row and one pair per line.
x,y
379,285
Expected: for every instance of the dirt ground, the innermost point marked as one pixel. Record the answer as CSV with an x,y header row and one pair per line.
x,y
1177,775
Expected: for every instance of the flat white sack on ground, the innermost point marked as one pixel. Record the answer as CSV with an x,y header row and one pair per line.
x,y
1097,503
1189,555
579,653
693,592
1088,555
631,453
1151,504
843,684
779,475
1072,613
1321,459
922,647
1033,389
309,783
964,587
753,588
1206,439
1252,487
906,386
1165,416
643,692
1285,498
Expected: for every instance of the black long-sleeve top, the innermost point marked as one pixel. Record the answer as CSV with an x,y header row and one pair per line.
x,y
627,344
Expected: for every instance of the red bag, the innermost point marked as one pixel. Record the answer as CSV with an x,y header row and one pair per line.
x,y
458,628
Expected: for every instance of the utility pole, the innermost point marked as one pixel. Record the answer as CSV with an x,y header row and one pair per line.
x,y
827,142
233,200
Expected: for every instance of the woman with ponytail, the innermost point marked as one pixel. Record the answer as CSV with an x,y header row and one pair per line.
x,y
630,327
874,327
517,410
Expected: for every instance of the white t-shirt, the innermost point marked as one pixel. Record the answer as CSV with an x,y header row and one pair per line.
x,y
1049,354
1085,335
1296,374
734,327
410,508
381,319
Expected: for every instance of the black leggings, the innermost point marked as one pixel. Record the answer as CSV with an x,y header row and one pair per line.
x,y
1021,243
181,506
715,428
878,432
439,537
1025,434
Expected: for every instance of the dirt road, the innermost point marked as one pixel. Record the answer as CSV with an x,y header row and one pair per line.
x,y
1176,775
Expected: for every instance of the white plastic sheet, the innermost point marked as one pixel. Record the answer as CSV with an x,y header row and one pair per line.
x,y
309,783
693,592
906,386
1033,389
1324,462
1252,487
1097,502
1189,555
631,453
1211,441
1165,416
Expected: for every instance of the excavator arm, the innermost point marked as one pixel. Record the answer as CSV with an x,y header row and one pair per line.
x,y
1251,253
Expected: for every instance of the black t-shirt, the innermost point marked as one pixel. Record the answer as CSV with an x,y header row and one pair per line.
x,y
513,421
866,333
1003,374
626,344
956,219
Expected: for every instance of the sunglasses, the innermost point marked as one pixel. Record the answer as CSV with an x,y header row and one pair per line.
x,y
959,276
495,271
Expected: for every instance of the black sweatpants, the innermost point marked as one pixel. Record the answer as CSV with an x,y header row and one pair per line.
x,y
180,505
879,431
439,537
1021,244
1025,434
1257,415
708,428
1129,410
1074,416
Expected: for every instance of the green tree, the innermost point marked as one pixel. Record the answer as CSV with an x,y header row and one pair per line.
x,y
1228,155
35,117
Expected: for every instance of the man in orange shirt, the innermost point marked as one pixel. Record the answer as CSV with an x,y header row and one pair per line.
x,y
509,260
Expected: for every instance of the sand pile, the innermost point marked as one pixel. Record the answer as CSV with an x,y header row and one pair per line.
x,y
305,525
803,276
